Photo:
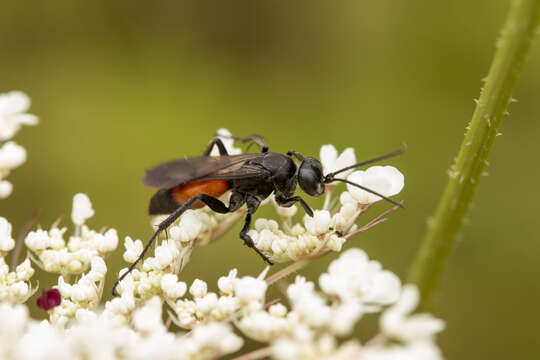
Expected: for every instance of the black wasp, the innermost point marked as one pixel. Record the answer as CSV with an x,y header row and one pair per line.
x,y
194,182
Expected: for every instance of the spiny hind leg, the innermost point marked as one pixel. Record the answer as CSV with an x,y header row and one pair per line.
x,y
252,204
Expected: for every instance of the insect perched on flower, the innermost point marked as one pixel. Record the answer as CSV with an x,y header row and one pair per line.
x,y
191,183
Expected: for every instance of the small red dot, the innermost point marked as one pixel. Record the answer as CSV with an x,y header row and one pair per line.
x,y
49,299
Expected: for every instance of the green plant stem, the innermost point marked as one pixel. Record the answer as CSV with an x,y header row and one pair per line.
x,y
443,229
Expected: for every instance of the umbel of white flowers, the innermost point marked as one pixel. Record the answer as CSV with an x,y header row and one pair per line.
x,y
13,107
312,321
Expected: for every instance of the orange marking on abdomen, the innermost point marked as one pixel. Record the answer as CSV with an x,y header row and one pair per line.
x,y
183,193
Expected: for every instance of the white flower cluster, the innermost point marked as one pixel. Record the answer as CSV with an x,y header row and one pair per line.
x,y
156,274
86,249
352,287
236,296
14,285
313,327
94,336
13,107
84,294
52,253
311,323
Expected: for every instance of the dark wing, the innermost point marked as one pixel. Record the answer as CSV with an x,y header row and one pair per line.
x,y
183,171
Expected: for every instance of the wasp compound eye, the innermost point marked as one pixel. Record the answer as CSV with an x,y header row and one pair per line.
x,y
310,177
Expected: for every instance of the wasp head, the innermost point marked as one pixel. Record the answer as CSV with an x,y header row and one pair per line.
x,y
310,177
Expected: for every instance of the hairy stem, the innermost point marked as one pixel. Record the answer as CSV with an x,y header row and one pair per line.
x,y
295,266
512,49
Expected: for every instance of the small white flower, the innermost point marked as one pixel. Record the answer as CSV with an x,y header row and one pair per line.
x,y
107,242
263,240
198,288
14,319
83,291
82,209
335,242
398,322
248,289
262,326
277,310
225,307
353,277
206,303
332,162
37,240
271,225
188,228
344,317
216,338
285,349
319,223
98,269
13,107
279,246
84,315
6,188
12,117
56,240
308,304
173,288
64,287
24,270
151,263
19,290
164,255
147,319
386,180
185,310
11,155
133,249
6,241
75,267
226,283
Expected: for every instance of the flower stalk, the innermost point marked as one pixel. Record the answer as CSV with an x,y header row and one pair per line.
x,y
443,230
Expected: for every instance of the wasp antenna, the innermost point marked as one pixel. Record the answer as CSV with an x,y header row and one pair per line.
x,y
397,152
371,191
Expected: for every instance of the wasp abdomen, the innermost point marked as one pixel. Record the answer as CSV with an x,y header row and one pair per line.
x,y
166,201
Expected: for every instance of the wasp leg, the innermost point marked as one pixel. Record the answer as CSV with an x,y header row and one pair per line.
x,y
253,139
248,241
252,204
288,202
215,204
216,142
296,154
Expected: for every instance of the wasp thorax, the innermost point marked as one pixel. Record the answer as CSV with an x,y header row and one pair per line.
x,y
310,177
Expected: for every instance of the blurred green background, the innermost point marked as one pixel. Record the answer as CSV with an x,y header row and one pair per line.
x,y
120,86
